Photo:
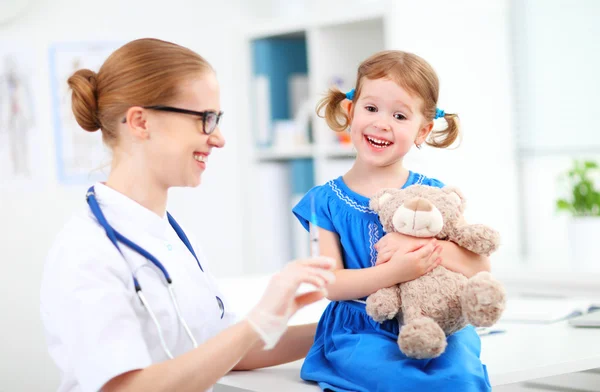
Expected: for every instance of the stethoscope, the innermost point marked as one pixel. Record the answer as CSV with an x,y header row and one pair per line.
x,y
115,237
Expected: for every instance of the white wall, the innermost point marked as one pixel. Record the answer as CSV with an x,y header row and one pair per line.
x,y
31,217
559,94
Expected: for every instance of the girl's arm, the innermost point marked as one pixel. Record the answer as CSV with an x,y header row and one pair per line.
x,y
358,283
294,345
463,261
454,257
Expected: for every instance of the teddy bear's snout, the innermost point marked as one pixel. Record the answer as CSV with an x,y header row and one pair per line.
x,y
418,217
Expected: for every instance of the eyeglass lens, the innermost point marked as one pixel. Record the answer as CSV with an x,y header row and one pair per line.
x,y
211,120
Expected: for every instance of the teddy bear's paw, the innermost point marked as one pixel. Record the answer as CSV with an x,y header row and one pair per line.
x,y
483,300
484,240
422,338
383,305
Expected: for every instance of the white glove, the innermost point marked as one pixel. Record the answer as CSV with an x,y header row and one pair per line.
x,y
280,301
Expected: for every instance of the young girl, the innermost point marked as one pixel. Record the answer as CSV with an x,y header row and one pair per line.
x,y
392,108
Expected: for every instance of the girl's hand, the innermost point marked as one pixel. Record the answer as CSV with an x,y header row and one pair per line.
x,y
391,243
419,262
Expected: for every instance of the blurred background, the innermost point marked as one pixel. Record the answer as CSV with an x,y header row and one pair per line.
x,y
522,75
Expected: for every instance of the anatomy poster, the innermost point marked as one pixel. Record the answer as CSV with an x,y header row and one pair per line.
x,y
81,156
18,122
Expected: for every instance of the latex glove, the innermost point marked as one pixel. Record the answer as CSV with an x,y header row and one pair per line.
x,y
270,316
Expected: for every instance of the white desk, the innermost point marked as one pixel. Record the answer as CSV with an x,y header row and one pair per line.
x,y
525,352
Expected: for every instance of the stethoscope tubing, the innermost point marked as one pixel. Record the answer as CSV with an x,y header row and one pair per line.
x,y
116,237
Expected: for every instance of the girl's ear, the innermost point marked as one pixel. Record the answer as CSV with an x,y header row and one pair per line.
x,y
380,198
347,106
423,133
458,196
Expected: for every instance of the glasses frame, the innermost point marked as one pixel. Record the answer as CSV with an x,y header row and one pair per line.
x,y
204,114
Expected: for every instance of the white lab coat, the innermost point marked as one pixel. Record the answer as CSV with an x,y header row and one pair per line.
x,y
95,325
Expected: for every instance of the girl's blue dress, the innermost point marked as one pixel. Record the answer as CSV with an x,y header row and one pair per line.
x,y
351,351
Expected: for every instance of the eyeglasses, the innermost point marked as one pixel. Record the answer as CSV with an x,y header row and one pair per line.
x,y
210,118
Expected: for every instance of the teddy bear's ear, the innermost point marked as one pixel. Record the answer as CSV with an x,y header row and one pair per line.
x,y
381,198
457,193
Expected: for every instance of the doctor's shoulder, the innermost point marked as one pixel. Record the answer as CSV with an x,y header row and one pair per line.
x,y
80,247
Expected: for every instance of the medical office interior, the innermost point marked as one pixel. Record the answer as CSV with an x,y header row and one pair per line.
x,y
521,74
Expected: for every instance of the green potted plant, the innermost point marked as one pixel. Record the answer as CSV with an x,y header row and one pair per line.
x,y
583,206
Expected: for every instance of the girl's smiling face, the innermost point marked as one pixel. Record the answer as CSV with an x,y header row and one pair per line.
x,y
386,121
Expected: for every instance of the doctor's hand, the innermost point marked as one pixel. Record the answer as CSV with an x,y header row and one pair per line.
x,y
280,301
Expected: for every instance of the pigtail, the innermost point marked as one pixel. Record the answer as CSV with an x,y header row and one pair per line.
x,y
444,138
335,116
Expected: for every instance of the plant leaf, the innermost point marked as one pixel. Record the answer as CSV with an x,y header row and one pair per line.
x,y
562,204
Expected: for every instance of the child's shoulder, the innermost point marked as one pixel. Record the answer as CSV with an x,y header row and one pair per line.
x,y
336,190
323,187
421,179
320,204
327,188
337,195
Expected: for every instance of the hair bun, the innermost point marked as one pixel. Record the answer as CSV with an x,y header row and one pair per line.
x,y
84,99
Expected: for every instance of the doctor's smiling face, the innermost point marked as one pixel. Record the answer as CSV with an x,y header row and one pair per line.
x,y
158,107
176,146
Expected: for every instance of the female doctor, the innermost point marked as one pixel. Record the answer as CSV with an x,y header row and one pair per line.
x,y
127,300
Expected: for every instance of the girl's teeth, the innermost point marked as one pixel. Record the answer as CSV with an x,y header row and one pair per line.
x,y
200,158
378,142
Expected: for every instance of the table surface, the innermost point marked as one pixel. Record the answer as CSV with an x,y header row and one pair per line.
x,y
526,351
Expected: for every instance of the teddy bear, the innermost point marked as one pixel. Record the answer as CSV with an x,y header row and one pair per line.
x,y
441,302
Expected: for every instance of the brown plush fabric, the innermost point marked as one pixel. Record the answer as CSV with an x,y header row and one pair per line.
x,y
440,302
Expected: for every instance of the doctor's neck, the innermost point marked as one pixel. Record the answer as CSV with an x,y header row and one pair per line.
x,y
139,185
